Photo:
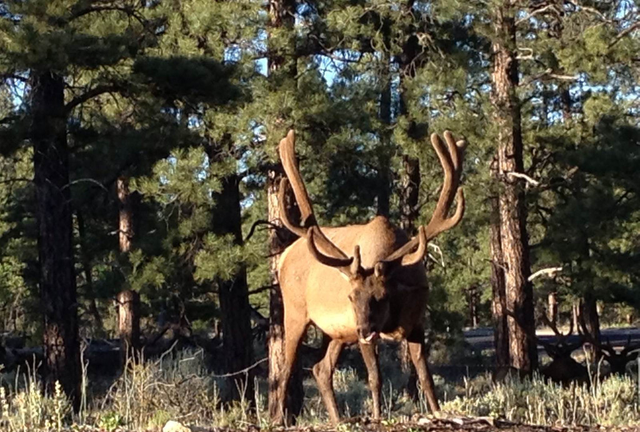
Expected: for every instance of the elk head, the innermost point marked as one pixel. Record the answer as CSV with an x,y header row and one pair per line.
x,y
373,289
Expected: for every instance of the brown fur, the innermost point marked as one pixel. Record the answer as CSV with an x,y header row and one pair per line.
x,y
380,291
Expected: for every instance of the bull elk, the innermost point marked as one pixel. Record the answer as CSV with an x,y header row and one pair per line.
x,y
379,291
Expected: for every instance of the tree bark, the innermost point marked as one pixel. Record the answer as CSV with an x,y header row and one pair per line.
x,y
235,310
87,269
125,214
472,301
513,233
129,325
499,300
128,300
55,233
410,194
282,72
384,153
552,313
589,310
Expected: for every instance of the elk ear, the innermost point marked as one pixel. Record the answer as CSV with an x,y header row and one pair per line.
x,y
379,269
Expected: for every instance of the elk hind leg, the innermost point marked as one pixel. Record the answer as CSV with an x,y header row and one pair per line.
x,y
373,371
293,332
323,372
417,350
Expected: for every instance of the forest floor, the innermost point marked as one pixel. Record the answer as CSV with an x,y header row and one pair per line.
x,y
451,424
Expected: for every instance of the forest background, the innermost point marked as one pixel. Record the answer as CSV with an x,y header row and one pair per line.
x,y
138,153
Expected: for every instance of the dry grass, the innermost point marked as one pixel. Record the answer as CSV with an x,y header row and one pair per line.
x,y
611,401
179,387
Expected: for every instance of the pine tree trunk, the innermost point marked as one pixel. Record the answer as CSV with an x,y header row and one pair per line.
x,y
129,325
125,214
410,195
472,301
499,300
513,233
128,301
552,300
589,310
282,70
384,153
235,311
55,234
87,269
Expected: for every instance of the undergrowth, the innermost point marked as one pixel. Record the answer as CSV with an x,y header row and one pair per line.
x,y
179,387
612,401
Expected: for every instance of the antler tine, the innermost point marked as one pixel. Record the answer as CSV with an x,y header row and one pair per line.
x,y
546,321
404,252
290,165
322,258
288,158
284,214
450,159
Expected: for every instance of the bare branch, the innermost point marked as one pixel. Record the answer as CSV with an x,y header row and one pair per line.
x,y
255,225
439,251
85,180
90,94
536,12
550,272
262,289
590,10
624,33
523,177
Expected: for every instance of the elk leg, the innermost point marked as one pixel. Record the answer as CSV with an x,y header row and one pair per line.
x,y
323,372
371,361
293,332
417,351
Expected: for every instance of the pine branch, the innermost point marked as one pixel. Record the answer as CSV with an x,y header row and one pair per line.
x,y
90,94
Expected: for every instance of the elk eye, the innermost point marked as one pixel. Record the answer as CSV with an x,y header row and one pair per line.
x,y
351,297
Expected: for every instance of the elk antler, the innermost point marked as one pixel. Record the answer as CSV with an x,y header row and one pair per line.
x,y
451,160
333,256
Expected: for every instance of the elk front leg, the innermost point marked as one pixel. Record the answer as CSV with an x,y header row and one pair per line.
x,y
371,361
293,332
417,351
323,372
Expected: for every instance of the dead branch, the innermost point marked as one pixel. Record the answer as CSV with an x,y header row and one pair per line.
x,y
525,177
550,272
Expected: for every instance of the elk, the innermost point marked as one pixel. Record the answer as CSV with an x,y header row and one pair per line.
x,y
563,368
617,360
379,291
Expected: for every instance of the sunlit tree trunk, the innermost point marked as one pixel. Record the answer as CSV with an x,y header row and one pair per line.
x,y
513,232
129,324
125,214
